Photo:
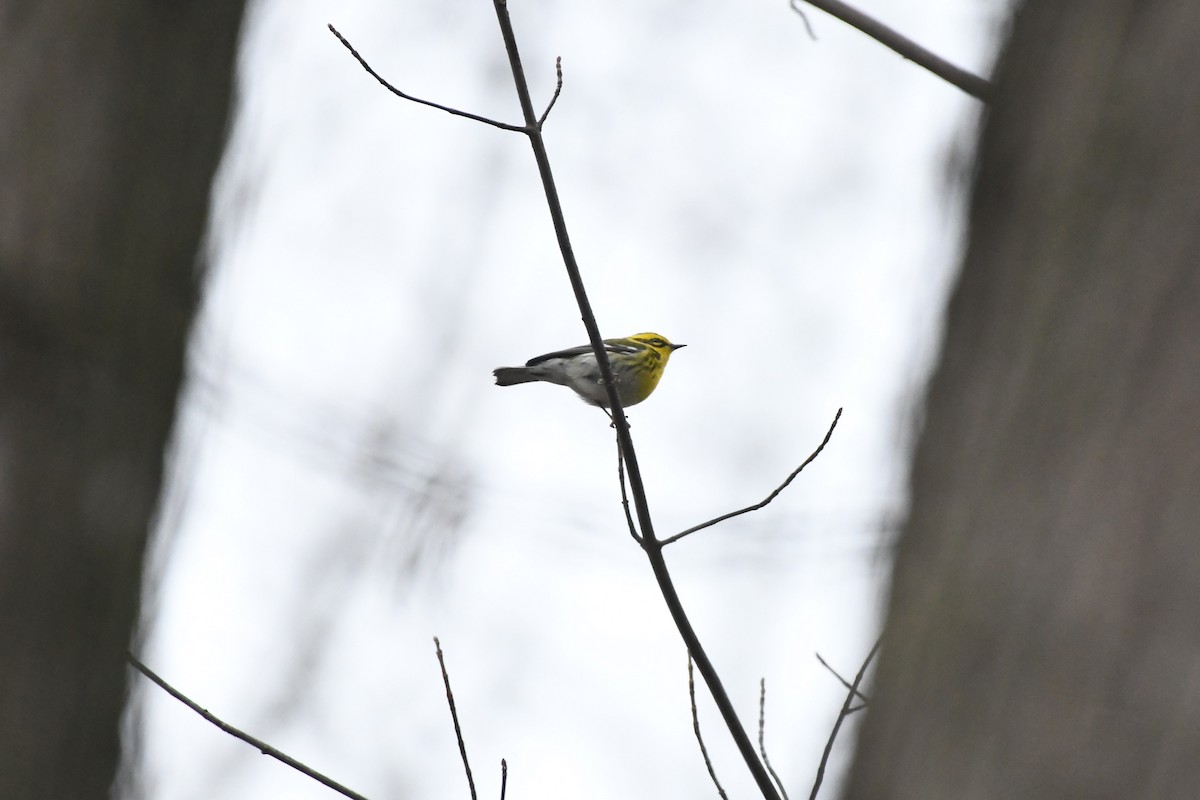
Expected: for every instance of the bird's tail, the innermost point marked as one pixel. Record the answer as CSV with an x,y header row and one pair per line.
x,y
511,376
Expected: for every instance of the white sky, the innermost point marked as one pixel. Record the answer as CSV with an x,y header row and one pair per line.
x,y
350,484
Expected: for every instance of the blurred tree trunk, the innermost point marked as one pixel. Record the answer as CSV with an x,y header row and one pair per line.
x,y
114,117
1043,638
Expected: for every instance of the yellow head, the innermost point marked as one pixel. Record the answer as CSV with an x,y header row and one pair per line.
x,y
656,342
637,373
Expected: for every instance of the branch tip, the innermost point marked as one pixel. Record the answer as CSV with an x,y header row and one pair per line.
x,y
765,502
404,96
804,18
462,747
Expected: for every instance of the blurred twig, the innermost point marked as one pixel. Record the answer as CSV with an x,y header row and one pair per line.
x,y
842,680
845,712
257,744
462,747
769,497
804,18
969,82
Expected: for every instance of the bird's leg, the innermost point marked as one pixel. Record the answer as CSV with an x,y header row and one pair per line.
x,y
612,423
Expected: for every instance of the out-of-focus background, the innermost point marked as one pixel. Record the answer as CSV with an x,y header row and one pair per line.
x,y
348,483
343,481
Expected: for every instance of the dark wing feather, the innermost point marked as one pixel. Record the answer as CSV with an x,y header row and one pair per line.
x,y
578,351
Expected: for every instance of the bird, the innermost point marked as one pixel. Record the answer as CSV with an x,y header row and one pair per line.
x,y
637,364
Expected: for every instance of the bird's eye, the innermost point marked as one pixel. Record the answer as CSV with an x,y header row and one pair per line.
x,y
658,342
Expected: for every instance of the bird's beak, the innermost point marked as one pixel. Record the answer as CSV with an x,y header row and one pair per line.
x,y
677,346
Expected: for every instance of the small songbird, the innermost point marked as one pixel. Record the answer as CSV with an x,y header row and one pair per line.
x,y
637,364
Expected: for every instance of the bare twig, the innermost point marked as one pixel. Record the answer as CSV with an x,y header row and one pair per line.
x,y
804,18
456,112
257,744
696,727
769,497
557,92
969,82
843,681
762,728
503,778
462,747
845,712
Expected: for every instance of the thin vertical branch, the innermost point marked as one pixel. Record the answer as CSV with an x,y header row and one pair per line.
x,y
462,747
696,727
762,728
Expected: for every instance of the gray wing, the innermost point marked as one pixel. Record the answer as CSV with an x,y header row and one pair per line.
x,y
579,351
